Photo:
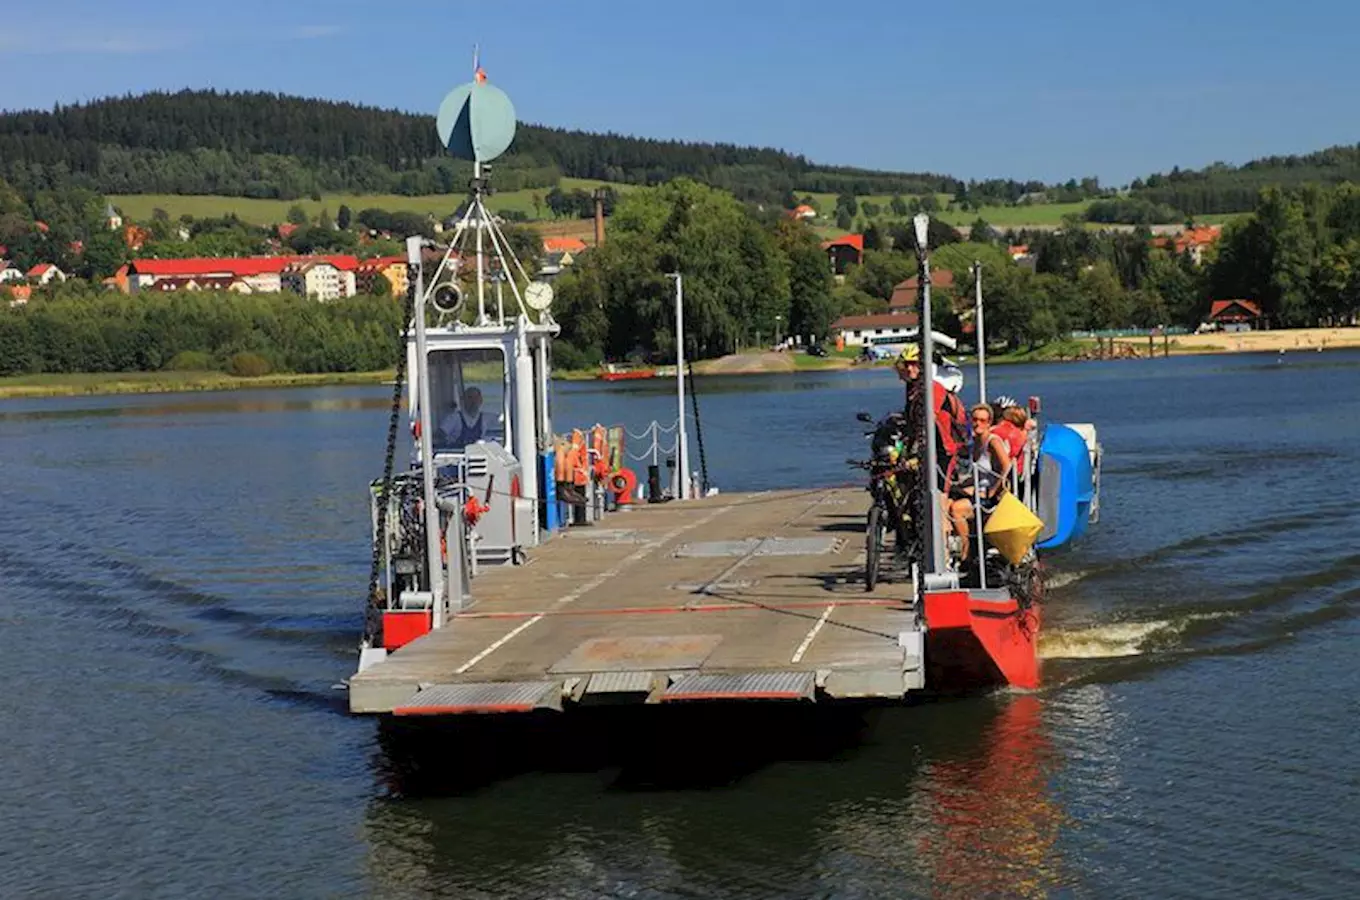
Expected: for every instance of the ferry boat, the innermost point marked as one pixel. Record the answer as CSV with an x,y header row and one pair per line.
x,y
728,598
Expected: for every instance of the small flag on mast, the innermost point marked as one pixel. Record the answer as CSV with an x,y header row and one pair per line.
x,y
478,72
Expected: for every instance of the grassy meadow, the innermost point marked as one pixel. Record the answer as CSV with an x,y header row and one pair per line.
x,y
139,207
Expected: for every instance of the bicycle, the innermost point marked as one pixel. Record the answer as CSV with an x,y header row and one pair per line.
x,y
887,469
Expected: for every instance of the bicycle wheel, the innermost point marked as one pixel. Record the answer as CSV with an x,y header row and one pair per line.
x,y
873,543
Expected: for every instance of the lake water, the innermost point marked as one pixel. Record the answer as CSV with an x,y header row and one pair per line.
x,y
180,592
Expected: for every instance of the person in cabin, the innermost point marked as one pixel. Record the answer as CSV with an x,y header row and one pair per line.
x,y
462,426
982,475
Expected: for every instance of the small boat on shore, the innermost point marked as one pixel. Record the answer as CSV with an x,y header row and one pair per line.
x,y
616,372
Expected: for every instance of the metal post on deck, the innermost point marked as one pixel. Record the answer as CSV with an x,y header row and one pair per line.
x,y
422,381
681,441
934,539
481,223
979,332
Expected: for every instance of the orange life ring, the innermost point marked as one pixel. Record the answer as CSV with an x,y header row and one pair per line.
x,y
623,483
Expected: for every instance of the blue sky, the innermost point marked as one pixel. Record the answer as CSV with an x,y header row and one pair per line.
x,y
1048,90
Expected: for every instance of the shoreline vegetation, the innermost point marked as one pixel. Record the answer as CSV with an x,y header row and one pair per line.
x,y
748,363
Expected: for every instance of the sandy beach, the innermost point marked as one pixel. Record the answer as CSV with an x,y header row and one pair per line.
x,y
1257,341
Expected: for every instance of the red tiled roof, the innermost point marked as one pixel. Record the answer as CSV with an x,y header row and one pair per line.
x,y
40,269
239,267
1220,307
904,292
20,291
876,320
1191,237
563,245
849,240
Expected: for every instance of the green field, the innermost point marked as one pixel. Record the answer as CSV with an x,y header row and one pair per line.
x,y
139,207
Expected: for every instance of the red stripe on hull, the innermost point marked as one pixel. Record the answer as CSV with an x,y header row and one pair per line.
x,y
628,376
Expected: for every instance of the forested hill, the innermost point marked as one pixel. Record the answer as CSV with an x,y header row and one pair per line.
x,y
269,145
1223,188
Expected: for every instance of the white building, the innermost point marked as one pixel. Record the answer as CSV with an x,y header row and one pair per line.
x,y
45,273
9,272
879,328
318,279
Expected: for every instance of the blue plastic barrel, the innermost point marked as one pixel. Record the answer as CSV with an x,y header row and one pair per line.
x,y
1064,486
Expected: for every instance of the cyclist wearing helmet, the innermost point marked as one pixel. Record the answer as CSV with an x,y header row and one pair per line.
x,y
950,419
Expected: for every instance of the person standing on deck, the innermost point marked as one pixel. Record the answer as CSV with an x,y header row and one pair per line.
x,y
950,423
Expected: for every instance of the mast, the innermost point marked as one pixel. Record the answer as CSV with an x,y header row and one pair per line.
x,y
934,540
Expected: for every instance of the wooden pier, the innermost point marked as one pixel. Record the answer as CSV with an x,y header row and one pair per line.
x,y
756,596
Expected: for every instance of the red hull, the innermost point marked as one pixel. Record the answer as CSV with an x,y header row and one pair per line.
x,y
977,642
629,375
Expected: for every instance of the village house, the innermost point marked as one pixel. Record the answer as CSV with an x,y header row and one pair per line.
x,y
19,294
393,268
318,279
1194,241
874,328
558,254
843,252
1233,315
134,236
257,274
903,299
8,272
803,212
44,274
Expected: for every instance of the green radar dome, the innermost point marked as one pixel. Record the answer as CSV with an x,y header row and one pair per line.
x,y
476,121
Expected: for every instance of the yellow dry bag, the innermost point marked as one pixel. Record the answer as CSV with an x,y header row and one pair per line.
x,y
1012,528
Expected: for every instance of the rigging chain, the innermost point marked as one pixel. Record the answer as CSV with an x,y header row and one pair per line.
x,y
375,596
698,430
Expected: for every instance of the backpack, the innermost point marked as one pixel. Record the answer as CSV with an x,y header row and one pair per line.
x,y
954,421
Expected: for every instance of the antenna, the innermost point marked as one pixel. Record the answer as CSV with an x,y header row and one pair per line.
x,y
476,122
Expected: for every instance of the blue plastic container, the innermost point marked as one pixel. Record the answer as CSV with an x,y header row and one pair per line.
x,y
1065,486
551,518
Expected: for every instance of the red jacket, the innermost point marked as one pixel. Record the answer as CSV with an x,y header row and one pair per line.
x,y
951,420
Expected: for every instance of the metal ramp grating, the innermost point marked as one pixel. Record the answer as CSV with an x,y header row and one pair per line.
x,y
746,686
620,683
482,697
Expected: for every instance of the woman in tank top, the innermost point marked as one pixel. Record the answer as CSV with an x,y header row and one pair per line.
x,y
988,462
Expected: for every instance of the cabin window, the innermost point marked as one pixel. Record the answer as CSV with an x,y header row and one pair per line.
x,y
468,397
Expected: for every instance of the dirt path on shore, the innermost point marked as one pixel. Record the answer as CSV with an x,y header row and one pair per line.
x,y
747,363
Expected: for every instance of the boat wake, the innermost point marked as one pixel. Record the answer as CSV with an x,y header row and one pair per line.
x,y
1117,639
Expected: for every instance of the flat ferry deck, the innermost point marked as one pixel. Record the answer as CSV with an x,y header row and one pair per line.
x,y
756,596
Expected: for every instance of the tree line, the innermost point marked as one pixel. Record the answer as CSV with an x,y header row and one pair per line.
x,y
76,328
270,145
749,271
1220,188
